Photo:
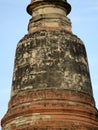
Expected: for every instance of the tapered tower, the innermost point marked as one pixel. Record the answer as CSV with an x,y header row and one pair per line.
x,y
51,87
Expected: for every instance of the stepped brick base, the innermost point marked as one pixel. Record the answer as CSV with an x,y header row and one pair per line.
x,y
51,110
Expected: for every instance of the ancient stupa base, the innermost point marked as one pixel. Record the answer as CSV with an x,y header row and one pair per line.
x,y
51,87
51,110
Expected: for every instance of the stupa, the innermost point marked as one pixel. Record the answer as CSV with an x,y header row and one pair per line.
x,y
51,86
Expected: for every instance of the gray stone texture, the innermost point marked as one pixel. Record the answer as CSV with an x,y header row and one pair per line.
x,y
51,60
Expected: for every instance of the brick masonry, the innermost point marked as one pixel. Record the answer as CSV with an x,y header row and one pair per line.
x,y
51,86
51,109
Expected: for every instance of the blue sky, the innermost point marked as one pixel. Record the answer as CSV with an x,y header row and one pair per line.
x,y
13,26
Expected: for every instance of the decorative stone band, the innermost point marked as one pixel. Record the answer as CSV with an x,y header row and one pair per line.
x,y
48,14
49,21
38,95
54,109
38,3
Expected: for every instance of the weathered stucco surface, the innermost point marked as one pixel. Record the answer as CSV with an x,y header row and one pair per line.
x,y
51,60
51,87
